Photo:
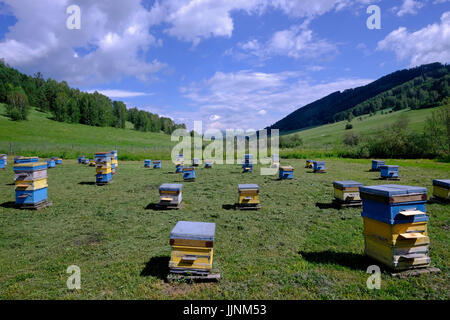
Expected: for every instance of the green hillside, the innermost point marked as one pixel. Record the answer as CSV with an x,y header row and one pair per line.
x,y
44,137
331,136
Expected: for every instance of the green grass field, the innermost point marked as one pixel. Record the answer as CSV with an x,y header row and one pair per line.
x,y
331,136
290,249
46,138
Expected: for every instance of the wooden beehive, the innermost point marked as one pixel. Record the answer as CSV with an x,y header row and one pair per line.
x,y
170,194
188,173
347,191
31,184
248,196
286,172
441,189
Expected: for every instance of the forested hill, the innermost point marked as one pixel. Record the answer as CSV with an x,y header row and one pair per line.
x,y
415,88
20,92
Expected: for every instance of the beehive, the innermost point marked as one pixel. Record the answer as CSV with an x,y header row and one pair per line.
x,y
286,172
441,189
208,164
247,163
179,168
396,225
147,163
389,172
157,164
114,162
188,173
195,162
248,196
192,247
21,159
31,184
3,161
179,159
80,159
51,163
86,161
319,166
376,164
91,163
309,164
57,160
347,191
170,194
103,167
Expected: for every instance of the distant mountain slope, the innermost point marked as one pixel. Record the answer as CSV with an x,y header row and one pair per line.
x,y
334,107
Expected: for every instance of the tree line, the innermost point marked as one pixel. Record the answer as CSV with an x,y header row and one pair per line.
x,y
20,92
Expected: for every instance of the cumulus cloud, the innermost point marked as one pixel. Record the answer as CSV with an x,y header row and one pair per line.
x,y
430,44
114,93
408,7
249,99
114,34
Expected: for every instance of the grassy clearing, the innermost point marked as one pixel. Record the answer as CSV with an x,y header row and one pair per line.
x,y
290,249
330,137
46,138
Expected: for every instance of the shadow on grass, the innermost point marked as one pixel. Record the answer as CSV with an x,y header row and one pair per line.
x,y
346,259
10,184
8,204
89,183
228,206
157,267
331,205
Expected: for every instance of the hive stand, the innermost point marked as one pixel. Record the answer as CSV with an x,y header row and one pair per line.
x,y
320,171
160,206
238,206
193,276
389,178
414,272
36,206
347,204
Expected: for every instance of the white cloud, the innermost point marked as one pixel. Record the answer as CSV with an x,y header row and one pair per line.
x,y
248,99
115,32
409,7
430,44
113,93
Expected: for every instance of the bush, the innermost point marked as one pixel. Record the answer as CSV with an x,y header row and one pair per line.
x,y
348,126
351,139
291,141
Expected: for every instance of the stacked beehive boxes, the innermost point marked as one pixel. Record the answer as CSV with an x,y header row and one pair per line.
x,y
91,162
31,185
441,189
346,193
319,166
286,172
103,167
170,195
376,164
396,225
192,247
21,159
309,164
188,173
248,196
157,164
147,163
247,164
3,161
114,162
389,172
51,163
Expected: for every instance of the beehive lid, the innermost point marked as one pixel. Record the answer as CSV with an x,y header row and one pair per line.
x,y
348,184
389,166
188,169
171,187
286,168
30,166
390,190
147,160
319,162
378,161
248,187
194,230
103,154
442,182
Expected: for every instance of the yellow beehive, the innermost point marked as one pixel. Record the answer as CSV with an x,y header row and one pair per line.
x,y
309,164
347,190
191,258
103,169
441,189
248,195
30,185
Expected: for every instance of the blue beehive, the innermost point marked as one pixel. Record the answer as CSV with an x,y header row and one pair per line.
x,y
247,164
57,160
80,159
31,197
208,164
394,204
188,173
31,184
157,164
103,178
389,171
103,167
376,164
319,166
3,161
179,168
147,163
50,163
21,159
286,172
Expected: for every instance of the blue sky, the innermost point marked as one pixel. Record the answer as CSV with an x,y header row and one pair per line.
x,y
232,64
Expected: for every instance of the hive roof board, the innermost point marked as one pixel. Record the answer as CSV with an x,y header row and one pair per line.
x,y
348,184
319,162
390,190
194,230
286,168
103,154
171,187
30,166
442,183
389,166
248,186
378,161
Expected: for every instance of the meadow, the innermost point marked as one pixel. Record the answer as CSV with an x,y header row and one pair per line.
x,y
295,247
